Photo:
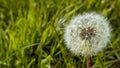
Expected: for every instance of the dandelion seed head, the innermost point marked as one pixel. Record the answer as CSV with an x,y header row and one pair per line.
x,y
87,33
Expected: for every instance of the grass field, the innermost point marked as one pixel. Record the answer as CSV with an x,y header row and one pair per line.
x,y
31,35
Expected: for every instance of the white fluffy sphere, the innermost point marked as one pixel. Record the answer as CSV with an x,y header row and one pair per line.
x,y
87,33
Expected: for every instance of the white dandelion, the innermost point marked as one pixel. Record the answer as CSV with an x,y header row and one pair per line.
x,y
87,34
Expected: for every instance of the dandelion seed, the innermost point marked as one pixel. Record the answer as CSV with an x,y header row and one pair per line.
x,y
61,23
86,34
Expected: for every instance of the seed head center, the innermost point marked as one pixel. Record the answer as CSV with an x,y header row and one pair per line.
x,y
87,33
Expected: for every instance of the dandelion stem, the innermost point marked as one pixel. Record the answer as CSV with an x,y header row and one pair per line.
x,y
88,61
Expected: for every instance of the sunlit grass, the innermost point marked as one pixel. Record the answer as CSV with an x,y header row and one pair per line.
x,y
29,35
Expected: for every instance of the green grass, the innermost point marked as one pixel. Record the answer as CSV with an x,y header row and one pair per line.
x,y
29,35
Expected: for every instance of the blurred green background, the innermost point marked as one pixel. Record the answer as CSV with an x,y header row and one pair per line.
x,y
30,36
